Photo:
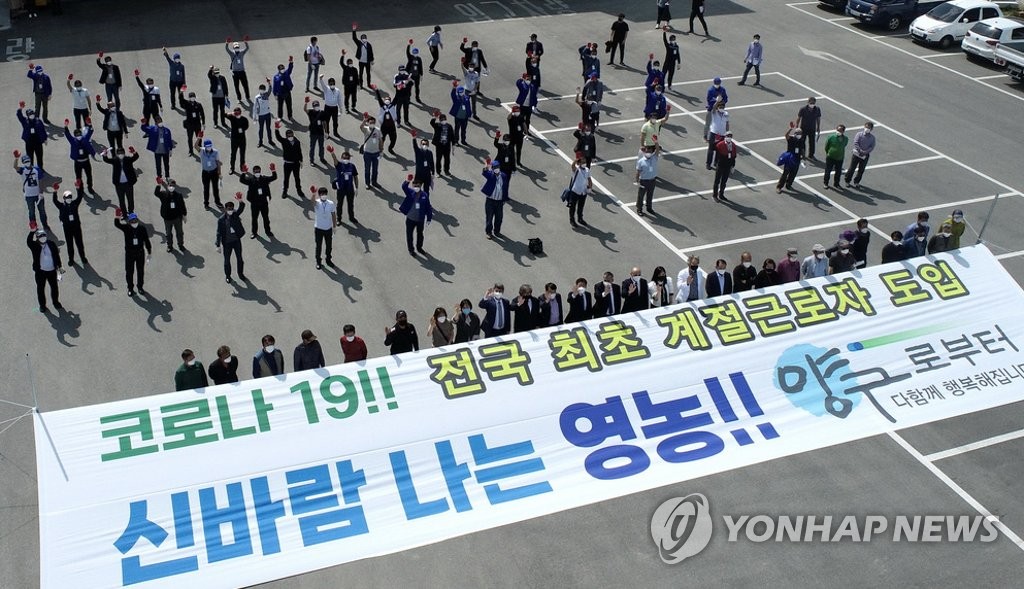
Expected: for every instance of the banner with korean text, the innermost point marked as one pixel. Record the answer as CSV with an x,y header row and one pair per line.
x,y
240,484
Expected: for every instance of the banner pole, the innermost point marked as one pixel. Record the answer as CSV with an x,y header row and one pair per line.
x,y
991,210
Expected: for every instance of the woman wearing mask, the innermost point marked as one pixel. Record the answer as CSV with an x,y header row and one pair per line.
x,y
659,288
467,327
767,276
440,330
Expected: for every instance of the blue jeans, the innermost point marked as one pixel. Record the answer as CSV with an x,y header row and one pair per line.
x,y
264,122
370,163
32,202
312,73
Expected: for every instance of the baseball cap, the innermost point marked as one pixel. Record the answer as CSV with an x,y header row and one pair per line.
x,y
39,68
176,56
415,51
208,143
132,216
495,164
717,80
818,248
25,159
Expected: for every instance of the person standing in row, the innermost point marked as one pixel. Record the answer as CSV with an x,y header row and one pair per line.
x,y
352,346
346,183
697,12
790,159
332,101
81,103
767,276
258,196
238,75
816,264
239,125
424,160
402,336
317,129
160,143
744,275
349,83
195,118
442,140
71,221
414,67
262,115
152,105
229,237
462,110
551,308
269,361
417,210
114,123
308,354
526,98
635,292
47,265
586,143
190,374
467,327
224,370
863,145
110,77
717,130
42,90
137,250
172,211
291,150
175,76
80,142
788,268
364,55
719,283
689,281
525,310
957,226
859,247
371,147
31,186
324,221
835,153
439,329
607,297
726,155
753,59
620,30
659,289
940,242
894,251
664,13
495,191
314,59
123,176
579,185
673,57
497,319
219,96
33,134
581,304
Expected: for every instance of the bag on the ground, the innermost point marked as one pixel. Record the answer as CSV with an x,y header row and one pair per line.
x,y
536,246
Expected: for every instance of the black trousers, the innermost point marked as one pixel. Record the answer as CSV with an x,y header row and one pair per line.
x,y
42,279
34,151
237,148
219,116
125,197
242,80
284,99
348,199
350,93
576,202
416,226
434,56
115,139
321,236
236,247
84,166
331,112
210,180
290,169
443,157
722,176
621,46
697,14
364,67
255,210
135,263
73,237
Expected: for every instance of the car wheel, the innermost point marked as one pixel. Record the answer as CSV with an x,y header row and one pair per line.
x,y
894,22
946,42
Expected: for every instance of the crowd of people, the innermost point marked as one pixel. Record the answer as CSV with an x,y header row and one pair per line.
x,y
432,152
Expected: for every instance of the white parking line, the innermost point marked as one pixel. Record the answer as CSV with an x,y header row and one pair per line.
x,y
878,39
679,151
975,446
1010,255
935,55
992,77
806,229
840,18
616,91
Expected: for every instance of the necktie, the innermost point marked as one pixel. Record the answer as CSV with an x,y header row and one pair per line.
x,y
499,319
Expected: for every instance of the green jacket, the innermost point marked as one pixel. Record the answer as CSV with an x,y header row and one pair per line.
x,y
188,377
835,146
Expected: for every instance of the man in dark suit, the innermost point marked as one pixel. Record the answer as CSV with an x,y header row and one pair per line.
x,y
364,55
122,175
719,283
634,292
607,297
581,305
551,309
497,319
46,265
525,310
110,77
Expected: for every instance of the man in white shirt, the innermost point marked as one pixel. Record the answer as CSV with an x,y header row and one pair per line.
x,y
314,59
261,114
579,185
324,220
690,282
81,103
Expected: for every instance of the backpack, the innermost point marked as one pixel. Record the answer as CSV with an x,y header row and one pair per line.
x,y
536,246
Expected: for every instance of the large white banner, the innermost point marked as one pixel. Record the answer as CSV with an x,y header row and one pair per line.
x,y
241,484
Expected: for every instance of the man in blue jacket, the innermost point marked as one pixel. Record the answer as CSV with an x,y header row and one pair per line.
x,y
33,133
282,89
526,98
42,88
176,76
495,189
417,210
81,152
159,142
461,110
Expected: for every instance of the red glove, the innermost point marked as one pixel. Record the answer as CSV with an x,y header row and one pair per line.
x,y
136,71
100,55
227,40
455,84
159,180
88,121
67,122
655,138
330,149
529,54
290,58
32,225
409,178
343,52
246,38
312,189
650,56
307,100
78,183
366,115
792,124
131,149
487,161
497,134
21,104
373,86
412,132
465,39
436,113
71,77
31,66
200,133
273,167
355,26
56,186
143,120
245,167
410,41
184,88
17,153
579,126
668,108
117,212
98,98
238,196
277,124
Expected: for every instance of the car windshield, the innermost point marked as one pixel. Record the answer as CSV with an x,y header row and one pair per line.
x,y
945,12
988,31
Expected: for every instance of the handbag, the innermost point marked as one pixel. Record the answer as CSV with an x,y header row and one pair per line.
x,y
361,145
567,193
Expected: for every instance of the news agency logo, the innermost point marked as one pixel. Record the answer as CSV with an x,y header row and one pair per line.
x,y
681,528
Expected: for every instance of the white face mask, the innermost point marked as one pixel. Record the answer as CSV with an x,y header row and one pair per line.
x,y
919,238
497,294
820,256
350,338
134,223
228,359
269,349
720,271
42,239
581,290
864,230
170,189
793,257
442,319
746,264
867,131
717,86
958,219
191,362
728,140
844,251
945,234
897,243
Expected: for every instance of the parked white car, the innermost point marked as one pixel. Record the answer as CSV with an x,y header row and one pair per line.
x,y
948,23
983,37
